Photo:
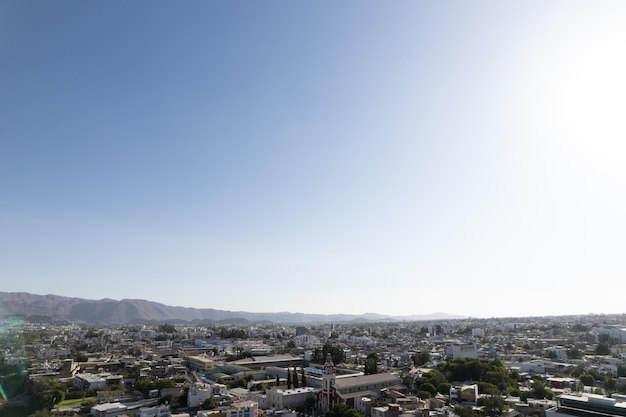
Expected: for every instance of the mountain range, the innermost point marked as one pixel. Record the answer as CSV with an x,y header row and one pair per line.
x,y
61,309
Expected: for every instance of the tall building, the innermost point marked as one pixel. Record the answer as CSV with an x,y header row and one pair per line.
x,y
328,384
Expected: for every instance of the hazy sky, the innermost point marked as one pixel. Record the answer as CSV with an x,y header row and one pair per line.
x,y
398,157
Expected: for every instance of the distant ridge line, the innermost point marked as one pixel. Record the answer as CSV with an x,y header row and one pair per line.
x,y
128,311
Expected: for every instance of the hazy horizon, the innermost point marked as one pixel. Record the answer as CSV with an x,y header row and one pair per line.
x,y
398,158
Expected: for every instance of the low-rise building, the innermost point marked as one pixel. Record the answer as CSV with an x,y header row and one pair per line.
x,y
466,394
290,398
588,405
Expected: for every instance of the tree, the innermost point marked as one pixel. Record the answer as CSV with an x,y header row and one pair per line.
x,y
494,404
303,378
430,388
44,394
336,352
371,365
183,399
342,410
487,388
421,358
424,395
209,404
574,353
296,383
587,379
540,391
444,388
610,383
466,411
167,328
289,384
603,349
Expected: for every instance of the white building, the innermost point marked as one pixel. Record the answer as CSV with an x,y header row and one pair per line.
x,y
237,409
464,393
156,411
557,352
88,382
290,398
478,332
461,350
364,406
198,393
108,410
588,405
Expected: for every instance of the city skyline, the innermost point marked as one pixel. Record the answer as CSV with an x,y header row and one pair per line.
x,y
401,159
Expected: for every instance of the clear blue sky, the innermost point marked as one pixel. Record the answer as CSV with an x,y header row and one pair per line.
x,y
330,157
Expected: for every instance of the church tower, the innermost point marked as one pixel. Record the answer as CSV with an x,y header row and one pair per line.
x,y
328,384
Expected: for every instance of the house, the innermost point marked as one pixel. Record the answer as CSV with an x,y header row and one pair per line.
x,y
467,394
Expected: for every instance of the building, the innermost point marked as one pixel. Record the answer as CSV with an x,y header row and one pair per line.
x,y
364,406
461,350
200,363
392,410
156,411
557,352
588,405
262,362
290,398
87,382
466,394
198,393
236,409
350,390
327,397
478,332
108,410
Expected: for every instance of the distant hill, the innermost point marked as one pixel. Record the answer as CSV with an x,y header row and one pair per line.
x,y
107,311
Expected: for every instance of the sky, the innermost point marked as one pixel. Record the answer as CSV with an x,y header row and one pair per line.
x,y
401,158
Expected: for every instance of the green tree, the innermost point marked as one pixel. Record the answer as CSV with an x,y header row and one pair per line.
x,y
342,410
336,352
296,383
184,397
610,383
167,328
209,404
421,358
603,349
540,391
466,411
487,388
371,366
303,377
574,353
424,395
46,393
444,388
494,404
587,379
289,383
430,388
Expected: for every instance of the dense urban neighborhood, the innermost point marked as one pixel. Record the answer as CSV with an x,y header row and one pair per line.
x,y
540,366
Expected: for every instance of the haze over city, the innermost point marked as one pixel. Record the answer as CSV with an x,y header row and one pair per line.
x,y
323,157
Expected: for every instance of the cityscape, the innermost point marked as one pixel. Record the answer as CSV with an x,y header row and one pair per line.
x,y
321,208
533,366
